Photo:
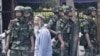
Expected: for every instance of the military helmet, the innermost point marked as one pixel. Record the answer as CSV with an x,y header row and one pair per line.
x,y
28,9
57,9
67,9
19,8
89,10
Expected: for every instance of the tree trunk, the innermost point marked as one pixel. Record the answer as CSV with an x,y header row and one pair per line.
x,y
98,24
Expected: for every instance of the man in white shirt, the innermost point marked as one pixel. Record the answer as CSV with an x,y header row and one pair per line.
x,y
43,45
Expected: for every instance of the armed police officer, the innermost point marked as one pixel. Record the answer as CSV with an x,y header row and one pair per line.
x,y
28,13
89,29
58,13
20,39
64,27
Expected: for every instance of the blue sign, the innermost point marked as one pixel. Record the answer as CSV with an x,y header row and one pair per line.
x,y
28,1
80,1
76,1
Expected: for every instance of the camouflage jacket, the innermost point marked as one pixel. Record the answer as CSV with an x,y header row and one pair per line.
x,y
20,33
64,27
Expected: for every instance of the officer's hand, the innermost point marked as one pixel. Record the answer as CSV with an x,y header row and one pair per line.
x,y
90,45
62,46
6,49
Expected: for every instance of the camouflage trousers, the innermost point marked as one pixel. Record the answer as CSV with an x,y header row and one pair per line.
x,y
91,51
20,53
59,52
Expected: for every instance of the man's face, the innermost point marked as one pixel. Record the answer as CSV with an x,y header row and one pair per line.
x,y
93,13
36,20
27,14
70,14
18,14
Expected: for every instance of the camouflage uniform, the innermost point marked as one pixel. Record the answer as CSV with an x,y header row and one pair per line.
x,y
89,26
52,22
54,19
52,25
20,33
28,10
84,29
64,28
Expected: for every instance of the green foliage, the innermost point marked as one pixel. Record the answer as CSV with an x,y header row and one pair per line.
x,y
47,14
